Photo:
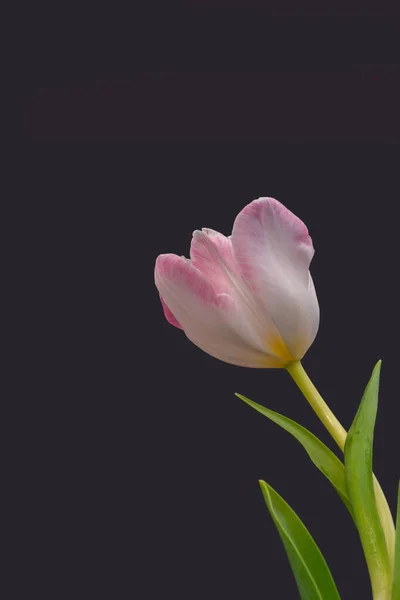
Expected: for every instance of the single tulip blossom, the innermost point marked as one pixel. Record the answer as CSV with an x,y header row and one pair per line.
x,y
247,299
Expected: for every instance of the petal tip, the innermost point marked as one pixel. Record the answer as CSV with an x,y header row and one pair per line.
x,y
264,208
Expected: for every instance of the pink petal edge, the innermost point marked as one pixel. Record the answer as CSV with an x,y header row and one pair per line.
x,y
178,270
168,314
267,207
211,253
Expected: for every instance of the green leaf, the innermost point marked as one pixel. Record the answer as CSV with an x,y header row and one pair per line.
x,y
323,458
396,575
312,574
358,469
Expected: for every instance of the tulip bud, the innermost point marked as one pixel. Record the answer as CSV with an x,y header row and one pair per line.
x,y
247,299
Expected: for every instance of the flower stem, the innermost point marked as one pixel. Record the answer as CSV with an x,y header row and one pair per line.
x,y
339,434
317,403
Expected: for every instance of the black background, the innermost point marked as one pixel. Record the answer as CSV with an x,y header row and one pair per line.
x,y
140,464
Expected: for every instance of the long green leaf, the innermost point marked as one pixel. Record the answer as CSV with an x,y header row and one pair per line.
x,y
359,478
396,576
312,574
323,458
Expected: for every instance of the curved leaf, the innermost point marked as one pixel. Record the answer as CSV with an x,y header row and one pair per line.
x,y
359,478
396,575
312,574
322,457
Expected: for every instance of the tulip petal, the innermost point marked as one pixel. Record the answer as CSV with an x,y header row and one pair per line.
x,y
168,314
211,320
212,254
273,251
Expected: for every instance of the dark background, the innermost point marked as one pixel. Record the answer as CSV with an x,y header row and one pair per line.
x,y
140,466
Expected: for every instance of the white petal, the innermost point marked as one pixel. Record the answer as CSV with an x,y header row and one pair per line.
x,y
273,251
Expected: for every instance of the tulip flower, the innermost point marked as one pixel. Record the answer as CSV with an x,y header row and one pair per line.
x,y
247,299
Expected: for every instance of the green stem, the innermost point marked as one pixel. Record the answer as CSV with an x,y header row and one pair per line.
x,y
339,434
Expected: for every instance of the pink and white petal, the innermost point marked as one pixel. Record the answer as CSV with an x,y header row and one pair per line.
x,y
273,250
295,311
174,273
210,320
211,252
168,314
266,232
